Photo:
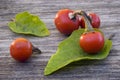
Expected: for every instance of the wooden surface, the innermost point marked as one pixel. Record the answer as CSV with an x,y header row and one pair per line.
x,y
107,69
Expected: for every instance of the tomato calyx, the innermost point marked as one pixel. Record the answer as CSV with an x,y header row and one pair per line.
x,y
72,17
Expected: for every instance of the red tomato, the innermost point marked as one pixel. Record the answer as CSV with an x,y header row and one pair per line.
x,y
21,49
92,42
95,20
63,22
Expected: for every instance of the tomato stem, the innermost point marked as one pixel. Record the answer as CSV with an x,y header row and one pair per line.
x,y
35,49
88,26
111,36
12,20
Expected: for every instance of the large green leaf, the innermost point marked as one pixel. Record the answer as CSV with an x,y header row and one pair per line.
x,y
70,51
26,23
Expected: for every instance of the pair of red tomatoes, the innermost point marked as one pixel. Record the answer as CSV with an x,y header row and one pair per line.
x,y
90,42
66,25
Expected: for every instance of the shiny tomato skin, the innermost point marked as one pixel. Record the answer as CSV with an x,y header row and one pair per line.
x,y
21,49
63,22
95,20
92,42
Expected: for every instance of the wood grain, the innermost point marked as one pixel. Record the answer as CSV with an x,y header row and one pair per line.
x,y
108,69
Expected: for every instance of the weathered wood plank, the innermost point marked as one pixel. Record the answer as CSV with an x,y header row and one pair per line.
x,y
108,69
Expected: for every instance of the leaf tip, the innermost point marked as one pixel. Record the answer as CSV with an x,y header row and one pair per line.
x,y
46,72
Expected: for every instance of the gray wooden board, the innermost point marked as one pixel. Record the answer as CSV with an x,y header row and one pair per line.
x,y
107,69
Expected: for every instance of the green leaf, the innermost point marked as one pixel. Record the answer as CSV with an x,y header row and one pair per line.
x,y
69,51
26,23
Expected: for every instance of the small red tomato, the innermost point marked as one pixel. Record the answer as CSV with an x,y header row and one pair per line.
x,y
21,49
92,42
63,22
95,20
